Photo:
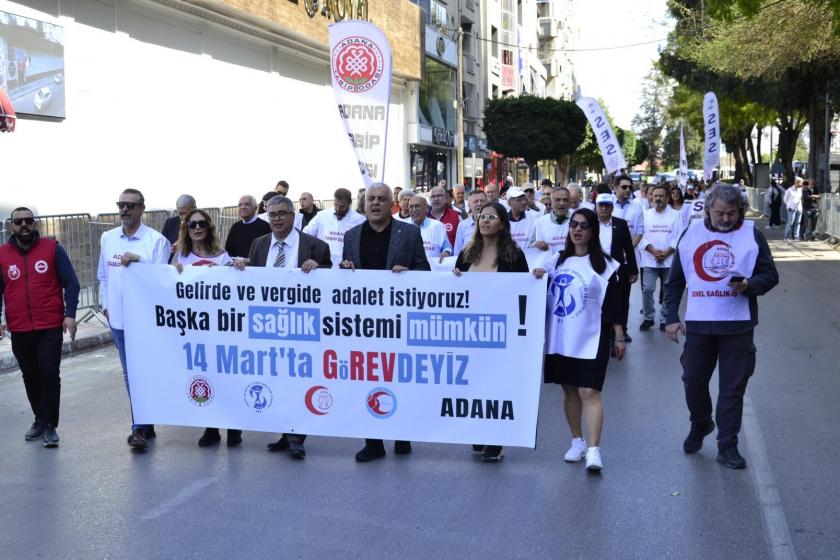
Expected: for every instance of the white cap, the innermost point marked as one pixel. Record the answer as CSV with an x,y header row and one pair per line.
x,y
604,199
515,192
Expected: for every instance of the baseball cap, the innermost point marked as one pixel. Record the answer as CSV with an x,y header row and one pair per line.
x,y
515,192
604,199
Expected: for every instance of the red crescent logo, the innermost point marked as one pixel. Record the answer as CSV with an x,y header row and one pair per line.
x,y
701,251
374,404
308,399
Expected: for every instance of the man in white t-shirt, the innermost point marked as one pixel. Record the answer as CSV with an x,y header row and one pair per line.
x,y
466,228
435,241
331,225
550,231
521,220
659,241
131,242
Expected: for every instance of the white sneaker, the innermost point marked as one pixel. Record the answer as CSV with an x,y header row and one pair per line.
x,y
593,459
577,451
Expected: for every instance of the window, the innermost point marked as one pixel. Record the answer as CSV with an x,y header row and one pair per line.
x,y
437,13
494,38
437,94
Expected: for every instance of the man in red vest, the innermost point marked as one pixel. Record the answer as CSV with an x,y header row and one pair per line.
x,y
41,293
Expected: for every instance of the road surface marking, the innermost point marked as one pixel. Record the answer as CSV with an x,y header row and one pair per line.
x,y
180,498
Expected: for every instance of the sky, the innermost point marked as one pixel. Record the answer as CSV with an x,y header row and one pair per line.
x,y
616,75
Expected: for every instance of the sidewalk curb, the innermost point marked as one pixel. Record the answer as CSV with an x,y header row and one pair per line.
x,y
68,348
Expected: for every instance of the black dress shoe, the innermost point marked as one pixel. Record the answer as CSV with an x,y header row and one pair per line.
x,y
370,452
281,444
234,438
211,436
50,436
478,448
150,432
402,447
730,457
627,338
296,450
493,454
137,440
646,325
694,441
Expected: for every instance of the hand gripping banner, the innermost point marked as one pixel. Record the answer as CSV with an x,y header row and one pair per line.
x,y
360,64
607,140
711,118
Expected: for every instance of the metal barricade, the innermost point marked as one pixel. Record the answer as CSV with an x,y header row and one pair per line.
x,y
828,221
230,211
755,198
214,214
223,225
153,218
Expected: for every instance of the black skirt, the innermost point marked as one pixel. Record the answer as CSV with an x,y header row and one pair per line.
x,y
578,372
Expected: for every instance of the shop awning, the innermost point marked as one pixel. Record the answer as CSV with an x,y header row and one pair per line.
x,y
7,113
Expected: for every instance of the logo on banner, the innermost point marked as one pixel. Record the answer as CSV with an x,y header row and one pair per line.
x,y
14,272
713,260
200,391
258,396
319,400
381,403
41,266
569,291
357,64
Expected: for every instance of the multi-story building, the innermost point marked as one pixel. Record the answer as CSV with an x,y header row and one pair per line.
x,y
557,33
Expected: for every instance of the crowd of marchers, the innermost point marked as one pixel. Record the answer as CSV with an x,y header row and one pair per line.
x,y
693,242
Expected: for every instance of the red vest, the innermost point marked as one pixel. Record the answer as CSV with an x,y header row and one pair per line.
x,y
31,287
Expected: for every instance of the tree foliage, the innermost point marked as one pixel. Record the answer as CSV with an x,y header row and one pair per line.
x,y
533,128
650,122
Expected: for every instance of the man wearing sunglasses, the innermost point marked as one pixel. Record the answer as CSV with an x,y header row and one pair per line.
x,y
41,293
131,242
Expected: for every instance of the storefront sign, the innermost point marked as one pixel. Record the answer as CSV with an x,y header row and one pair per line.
x,y
416,356
443,137
336,9
441,47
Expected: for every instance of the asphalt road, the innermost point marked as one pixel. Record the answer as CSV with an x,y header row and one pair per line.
x,y
93,498
23,98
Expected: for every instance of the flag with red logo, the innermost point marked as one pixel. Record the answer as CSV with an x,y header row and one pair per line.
x,y
360,65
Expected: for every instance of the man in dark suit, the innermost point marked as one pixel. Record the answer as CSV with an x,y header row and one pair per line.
x,y
287,247
172,226
382,243
617,241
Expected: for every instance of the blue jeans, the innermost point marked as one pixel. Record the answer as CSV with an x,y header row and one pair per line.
x,y
792,226
651,275
119,342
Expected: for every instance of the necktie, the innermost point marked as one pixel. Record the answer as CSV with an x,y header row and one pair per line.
x,y
281,256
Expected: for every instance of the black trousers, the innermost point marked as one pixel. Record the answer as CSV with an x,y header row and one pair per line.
x,y
775,213
39,356
735,357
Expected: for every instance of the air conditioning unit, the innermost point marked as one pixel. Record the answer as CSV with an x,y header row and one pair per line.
x,y
554,68
547,28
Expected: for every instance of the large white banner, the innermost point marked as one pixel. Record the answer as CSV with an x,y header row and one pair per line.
x,y
360,64
423,356
607,141
682,172
711,118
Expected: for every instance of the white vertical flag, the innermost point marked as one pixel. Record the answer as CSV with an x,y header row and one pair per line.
x,y
711,118
360,64
607,140
682,174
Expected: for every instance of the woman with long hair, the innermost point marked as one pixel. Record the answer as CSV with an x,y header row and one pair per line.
x,y
198,245
676,200
584,326
492,249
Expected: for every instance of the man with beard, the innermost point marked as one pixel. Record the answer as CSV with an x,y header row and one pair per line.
x,y
41,292
659,242
550,231
725,263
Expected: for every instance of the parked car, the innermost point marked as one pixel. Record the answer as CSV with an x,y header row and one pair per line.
x,y
58,78
42,98
636,177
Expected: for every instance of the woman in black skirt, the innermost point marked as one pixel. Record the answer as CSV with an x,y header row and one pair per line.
x,y
584,314
491,249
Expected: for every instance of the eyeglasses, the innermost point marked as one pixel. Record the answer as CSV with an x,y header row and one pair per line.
x,y
21,221
579,225
195,224
488,217
624,186
129,205
280,214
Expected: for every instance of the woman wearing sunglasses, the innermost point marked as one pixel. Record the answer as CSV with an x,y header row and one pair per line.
x,y
584,309
198,245
492,249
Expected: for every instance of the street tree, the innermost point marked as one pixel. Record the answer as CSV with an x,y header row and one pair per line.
x,y
533,128
650,121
